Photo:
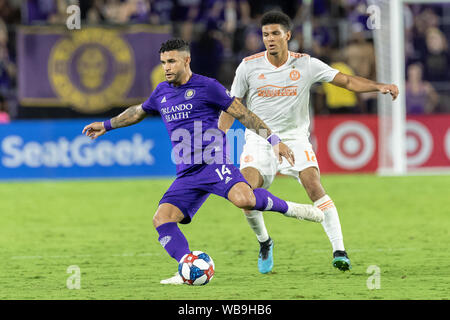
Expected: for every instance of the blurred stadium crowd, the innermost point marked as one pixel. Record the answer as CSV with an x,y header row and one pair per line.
x,y
222,32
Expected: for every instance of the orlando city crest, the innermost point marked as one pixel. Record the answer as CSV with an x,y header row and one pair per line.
x,y
189,94
92,69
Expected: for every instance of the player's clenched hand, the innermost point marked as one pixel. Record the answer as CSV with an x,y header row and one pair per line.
x,y
282,150
389,88
94,130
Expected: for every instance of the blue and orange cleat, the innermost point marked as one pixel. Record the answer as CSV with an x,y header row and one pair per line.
x,y
265,258
341,260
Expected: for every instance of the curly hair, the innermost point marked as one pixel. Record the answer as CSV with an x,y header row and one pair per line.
x,y
277,17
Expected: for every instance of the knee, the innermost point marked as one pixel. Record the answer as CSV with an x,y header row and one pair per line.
x,y
158,219
162,215
245,200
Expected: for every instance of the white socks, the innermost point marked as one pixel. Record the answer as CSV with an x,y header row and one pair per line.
x,y
331,223
256,221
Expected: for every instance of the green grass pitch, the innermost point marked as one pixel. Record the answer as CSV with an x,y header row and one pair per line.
x,y
399,224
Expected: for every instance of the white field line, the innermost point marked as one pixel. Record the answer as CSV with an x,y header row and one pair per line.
x,y
83,256
149,254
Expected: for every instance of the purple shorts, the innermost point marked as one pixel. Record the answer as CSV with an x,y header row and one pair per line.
x,y
189,192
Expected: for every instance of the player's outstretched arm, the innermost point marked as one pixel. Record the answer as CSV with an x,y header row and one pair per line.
x,y
226,120
359,84
130,116
252,121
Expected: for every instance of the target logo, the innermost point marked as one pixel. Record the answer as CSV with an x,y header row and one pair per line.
x,y
419,143
351,145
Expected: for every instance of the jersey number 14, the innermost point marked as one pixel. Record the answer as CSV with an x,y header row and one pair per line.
x,y
224,172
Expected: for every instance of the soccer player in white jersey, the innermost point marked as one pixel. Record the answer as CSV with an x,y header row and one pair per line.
x,y
275,85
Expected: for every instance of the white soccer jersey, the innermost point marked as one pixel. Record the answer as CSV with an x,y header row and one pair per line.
x,y
280,96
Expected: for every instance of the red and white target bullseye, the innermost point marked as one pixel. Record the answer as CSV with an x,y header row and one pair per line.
x,y
351,145
419,143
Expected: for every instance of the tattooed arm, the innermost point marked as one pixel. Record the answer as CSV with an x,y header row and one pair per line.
x,y
226,120
252,121
130,116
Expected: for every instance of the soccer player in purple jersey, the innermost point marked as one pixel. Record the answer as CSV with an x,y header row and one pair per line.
x,y
190,105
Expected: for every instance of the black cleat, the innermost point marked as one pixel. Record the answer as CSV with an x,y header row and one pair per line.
x,y
265,258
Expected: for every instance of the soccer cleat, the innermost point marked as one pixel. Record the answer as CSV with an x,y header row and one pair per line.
x,y
304,212
341,260
265,258
176,279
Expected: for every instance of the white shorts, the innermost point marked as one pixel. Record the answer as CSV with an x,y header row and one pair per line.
x,y
259,154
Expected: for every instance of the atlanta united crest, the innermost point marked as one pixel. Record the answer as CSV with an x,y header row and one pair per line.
x,y
92,69
294,75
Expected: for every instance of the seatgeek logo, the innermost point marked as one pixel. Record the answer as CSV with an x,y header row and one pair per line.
x,y
80,151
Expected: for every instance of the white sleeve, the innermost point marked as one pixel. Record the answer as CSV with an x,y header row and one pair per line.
x,y
239,87
321,72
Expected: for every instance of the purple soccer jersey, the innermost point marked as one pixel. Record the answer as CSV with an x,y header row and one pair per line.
x,y
191,114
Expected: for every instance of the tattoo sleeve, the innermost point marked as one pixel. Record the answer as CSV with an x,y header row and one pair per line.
x,y
130,116
248,118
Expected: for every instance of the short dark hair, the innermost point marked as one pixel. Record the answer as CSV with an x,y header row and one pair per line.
x,y
277,17
174,44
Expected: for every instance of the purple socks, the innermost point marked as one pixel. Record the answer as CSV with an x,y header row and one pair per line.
x,y
175,243
173,240
265,201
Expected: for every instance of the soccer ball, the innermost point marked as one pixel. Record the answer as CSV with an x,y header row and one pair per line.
x,y
196,268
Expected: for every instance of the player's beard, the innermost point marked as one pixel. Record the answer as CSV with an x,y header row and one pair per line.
x,y
176,78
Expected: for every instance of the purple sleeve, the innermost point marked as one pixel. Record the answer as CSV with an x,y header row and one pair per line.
x,y
149,105
219,96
